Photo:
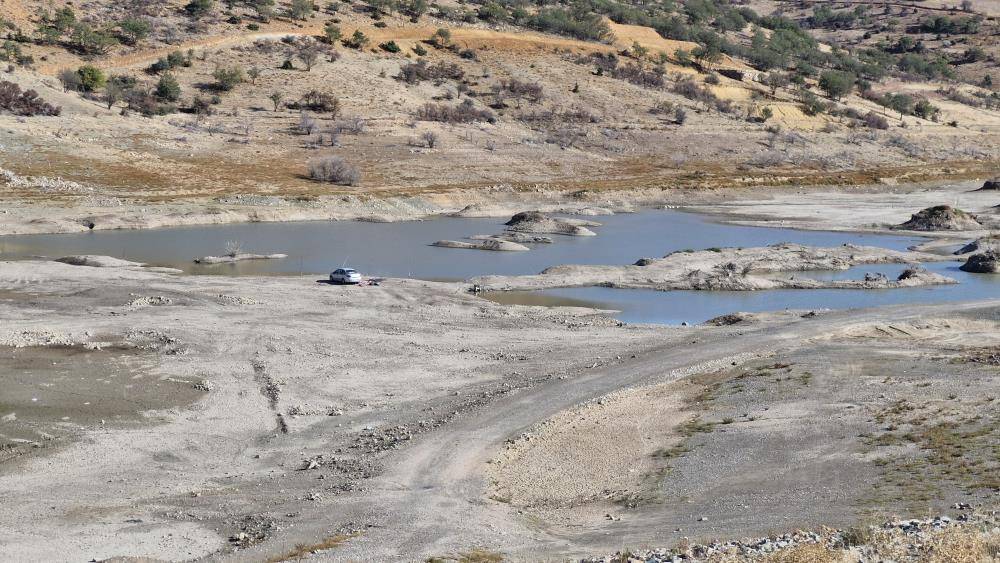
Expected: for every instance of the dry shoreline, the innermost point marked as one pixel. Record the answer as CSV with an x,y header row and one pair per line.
x,y
389,421
754,206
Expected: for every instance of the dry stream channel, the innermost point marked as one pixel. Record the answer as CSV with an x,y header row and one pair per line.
x,y
402,249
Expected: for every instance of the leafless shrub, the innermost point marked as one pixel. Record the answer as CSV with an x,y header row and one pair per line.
x,y
873,120
233,248
334,170
767,158
429,138
314,100
663,107
465,112
414,73
307,124
574,115
694,91
519,89
26,103
490,145
908,147
350,126
564,137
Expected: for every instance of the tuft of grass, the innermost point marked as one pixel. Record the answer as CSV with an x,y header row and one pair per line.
x,y
671,452
476,555
300,551
696,426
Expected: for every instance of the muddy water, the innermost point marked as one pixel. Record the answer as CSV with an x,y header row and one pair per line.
x,y
50,394
402,249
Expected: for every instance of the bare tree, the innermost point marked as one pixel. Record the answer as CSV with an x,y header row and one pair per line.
x,y
335,170
429,138
307,124
276,98
309,51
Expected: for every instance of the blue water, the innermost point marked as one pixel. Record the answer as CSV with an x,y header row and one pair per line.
x,y
675,307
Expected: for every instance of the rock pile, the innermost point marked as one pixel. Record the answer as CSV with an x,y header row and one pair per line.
x,y
984,263
993,184
538,222
940,218
912,536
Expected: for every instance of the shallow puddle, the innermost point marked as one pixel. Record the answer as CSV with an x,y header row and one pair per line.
x,y
52,393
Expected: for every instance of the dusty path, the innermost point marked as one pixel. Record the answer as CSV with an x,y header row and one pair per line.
x,y
433,497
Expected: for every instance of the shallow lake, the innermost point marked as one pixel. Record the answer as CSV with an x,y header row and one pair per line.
x,y
403,249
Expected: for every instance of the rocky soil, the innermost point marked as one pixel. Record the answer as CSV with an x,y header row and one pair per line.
x,y
731,269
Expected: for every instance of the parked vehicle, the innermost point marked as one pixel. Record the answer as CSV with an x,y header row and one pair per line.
x,y
345,275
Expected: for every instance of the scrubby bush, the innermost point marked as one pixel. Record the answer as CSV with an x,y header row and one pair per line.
x,y
199,8
413,73
133,30
465,112
577,23
26,103
334,170
390,46
357,41
837,84
167,89
520,89
873,120
315,100
91,78
69,79
227,78
300,9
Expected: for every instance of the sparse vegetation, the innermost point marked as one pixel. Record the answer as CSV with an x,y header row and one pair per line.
x,y
334,170
25,103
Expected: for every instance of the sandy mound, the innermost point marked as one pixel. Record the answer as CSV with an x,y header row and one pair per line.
x,y
985,263
488,244
96,261
521,238
538,222
940,218
238,258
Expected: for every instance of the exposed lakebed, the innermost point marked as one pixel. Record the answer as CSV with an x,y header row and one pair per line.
x,y
403,249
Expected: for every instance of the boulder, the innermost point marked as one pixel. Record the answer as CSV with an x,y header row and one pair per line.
x,y
983,263
941,218
993,184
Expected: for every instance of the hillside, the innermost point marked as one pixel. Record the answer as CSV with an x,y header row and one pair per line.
x,y
172,101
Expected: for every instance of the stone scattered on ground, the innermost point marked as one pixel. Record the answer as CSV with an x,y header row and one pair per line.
x,y
940,218
984,263
238,258
915,540
487,244
732,269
